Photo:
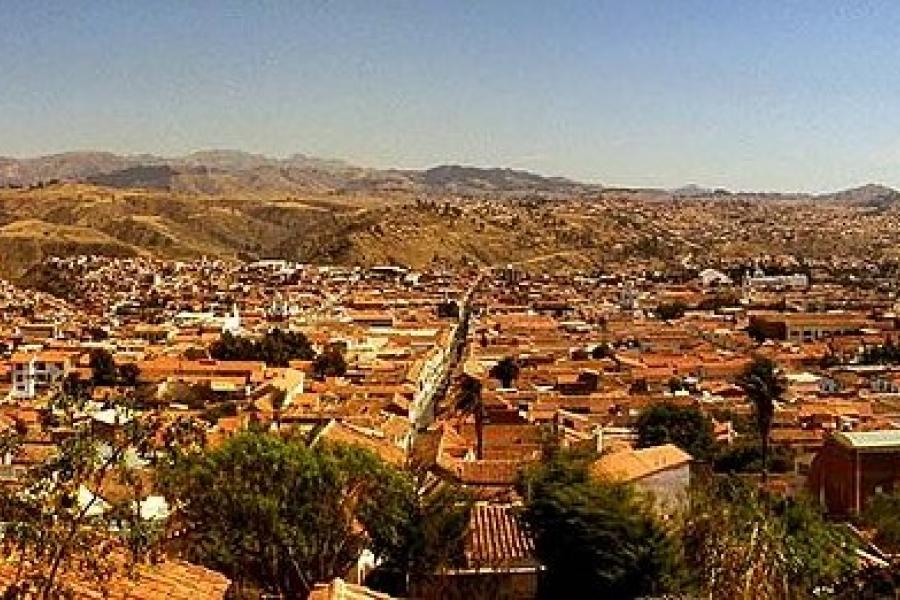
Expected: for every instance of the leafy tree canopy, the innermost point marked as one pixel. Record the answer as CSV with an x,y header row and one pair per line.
x,y
685,426
276,348
596,539
883,513
741,544
57,529
505,371
274,513
103,368
669,311
330,363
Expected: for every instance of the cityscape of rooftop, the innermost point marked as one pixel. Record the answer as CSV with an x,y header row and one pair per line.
x,y
341,300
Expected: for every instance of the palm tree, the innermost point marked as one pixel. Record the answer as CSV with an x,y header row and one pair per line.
x,y
469,399
505,371
764,386
469,395
277,397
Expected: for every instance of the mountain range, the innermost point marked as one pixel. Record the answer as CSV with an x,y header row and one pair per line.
x,y
234,204
227,171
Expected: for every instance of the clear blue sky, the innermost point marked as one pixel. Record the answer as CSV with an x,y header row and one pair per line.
x,y
800,95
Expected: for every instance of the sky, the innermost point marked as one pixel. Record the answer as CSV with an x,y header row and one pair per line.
x,y
748,95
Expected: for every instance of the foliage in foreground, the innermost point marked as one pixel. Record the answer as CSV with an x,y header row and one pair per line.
x,y
883,513
56,529
596,538
685,426
743,545
274,513
602,539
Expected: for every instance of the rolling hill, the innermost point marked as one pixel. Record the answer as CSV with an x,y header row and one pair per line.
x,y
230,171
236,205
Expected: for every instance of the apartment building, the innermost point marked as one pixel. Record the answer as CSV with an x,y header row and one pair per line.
x,y
35,371
806,327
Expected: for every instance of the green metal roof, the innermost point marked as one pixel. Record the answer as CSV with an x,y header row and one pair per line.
x,y
885,439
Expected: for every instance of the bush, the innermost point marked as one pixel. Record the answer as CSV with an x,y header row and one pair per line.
x,y
329,363
745,456
276,348
596,539
685,426
741,544
669,311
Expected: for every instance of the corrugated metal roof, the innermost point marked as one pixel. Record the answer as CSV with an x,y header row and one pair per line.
x,y
886,438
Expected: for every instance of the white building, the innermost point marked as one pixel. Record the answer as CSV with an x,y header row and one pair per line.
x,y
228,322
34,371
761,281
712,277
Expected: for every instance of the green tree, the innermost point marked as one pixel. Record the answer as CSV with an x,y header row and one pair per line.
x,y
448,309
430,538
103,367
756,331
330,363
469,400
603,350
676,384
745,456
276,348
506,371
468,395
669,311
685,426
741,545
129,374
596,538
274,513
765,387
57,528
883,513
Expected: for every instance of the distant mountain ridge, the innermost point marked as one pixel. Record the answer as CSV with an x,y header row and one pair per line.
x,y
231,171
870,195
222,171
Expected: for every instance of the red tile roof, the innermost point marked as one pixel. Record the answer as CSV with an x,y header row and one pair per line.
x,y
169,580
496,538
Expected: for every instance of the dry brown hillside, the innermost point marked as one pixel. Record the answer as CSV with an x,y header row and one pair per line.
x,y
347,228
606,229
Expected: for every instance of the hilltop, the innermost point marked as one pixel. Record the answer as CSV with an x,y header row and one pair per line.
x,y
229,171
870,195
233,204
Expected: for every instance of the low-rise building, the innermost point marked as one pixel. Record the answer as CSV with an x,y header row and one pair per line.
x,y
852,467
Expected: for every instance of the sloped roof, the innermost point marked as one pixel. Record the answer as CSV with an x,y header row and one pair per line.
x,y
495,538
338,589
632,465
336,431
885,439
169,580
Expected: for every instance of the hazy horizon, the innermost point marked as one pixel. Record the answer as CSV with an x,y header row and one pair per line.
x,y
799,97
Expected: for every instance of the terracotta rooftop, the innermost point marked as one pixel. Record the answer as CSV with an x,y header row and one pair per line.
x,y
631,465
338,589
496,538
167,580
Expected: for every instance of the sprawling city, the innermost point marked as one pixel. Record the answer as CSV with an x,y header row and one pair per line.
x,y
433,368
